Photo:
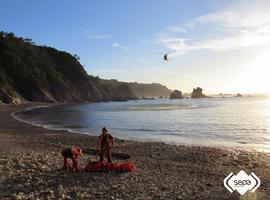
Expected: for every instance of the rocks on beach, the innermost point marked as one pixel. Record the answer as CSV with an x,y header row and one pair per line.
x,y
6,96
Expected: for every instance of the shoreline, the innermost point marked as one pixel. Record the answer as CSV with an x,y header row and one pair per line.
x,y
30,161
72,131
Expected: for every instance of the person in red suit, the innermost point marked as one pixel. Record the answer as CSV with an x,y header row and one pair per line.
x,y
72,153
105,144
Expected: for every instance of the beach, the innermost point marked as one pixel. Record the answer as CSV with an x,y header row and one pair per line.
x,y
31,162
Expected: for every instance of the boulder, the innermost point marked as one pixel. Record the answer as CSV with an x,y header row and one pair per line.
x,y
197,93
6,96
239,95
176,94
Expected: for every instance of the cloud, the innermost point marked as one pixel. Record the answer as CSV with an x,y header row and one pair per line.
x,y
238,41
117,45
249,15
100,36
177,29
232,28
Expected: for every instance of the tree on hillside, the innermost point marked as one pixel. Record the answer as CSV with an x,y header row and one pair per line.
x,y
77,57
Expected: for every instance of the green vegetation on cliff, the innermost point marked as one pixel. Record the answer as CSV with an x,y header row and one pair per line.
x,y
40,73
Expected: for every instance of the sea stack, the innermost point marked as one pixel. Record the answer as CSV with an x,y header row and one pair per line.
x,y
176,94
239,95
197,93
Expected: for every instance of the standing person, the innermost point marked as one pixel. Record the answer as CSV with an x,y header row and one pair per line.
x,y
105,144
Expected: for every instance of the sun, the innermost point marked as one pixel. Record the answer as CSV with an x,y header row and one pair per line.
x,y
255,76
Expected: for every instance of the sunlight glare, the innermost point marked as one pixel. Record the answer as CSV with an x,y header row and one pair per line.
x,y
255,75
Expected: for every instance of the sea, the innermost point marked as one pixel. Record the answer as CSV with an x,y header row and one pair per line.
x,y
233,122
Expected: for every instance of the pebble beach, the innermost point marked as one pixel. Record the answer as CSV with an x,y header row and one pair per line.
x,y
31,167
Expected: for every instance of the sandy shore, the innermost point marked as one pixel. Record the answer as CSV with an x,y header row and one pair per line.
x,y
30,167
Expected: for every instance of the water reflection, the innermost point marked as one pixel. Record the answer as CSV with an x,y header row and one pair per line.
x,y
230,122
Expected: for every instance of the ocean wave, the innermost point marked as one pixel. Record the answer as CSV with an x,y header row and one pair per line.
x,y
160,107
45,125
143,129
32,108
49,126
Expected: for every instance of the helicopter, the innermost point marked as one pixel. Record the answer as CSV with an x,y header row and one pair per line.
x,y
165,57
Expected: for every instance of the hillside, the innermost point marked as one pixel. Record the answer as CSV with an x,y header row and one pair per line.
x,y
119,92
40,73
139,89
29,72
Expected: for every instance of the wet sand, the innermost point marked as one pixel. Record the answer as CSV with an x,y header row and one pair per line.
x,y
30,167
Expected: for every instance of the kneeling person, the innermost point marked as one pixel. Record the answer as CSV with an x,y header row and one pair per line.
x,y
72,153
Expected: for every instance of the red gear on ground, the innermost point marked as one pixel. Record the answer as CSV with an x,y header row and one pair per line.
x,y
106,167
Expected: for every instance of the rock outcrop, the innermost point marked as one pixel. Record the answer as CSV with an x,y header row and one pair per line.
x,y
238,95
6,96
197,93
176,94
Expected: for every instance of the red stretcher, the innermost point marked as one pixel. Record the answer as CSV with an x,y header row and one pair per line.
x,y
109,167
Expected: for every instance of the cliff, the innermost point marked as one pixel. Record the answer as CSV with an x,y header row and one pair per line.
x,y
40,73
29,72
121,92
139,90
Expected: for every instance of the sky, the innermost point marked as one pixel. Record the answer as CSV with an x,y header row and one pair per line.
x,y
222,46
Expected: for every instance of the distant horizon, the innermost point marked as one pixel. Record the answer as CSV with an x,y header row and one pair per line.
x,y
220,46
204,89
